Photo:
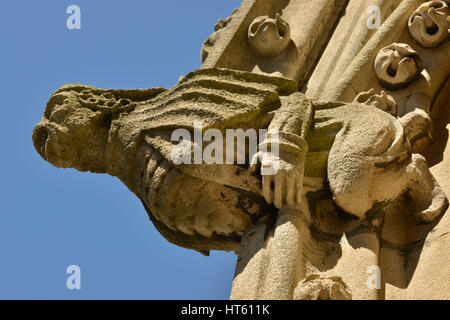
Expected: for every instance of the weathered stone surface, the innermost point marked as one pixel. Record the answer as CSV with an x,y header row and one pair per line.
x,y
353,193
127,133
316,287
429,24
269,37
397,65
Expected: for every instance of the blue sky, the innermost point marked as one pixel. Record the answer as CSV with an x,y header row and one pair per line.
x,y
51,218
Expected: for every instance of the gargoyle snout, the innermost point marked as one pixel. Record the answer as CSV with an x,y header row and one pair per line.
x,y
40,137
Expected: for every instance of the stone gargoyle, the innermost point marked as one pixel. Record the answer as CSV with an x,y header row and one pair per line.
x,y
360,150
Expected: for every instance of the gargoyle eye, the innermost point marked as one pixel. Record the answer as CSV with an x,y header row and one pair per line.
x,y
57,114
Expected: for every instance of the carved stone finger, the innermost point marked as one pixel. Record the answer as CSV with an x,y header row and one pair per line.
x,y
299,191
267,188
255,162
291,181
279,189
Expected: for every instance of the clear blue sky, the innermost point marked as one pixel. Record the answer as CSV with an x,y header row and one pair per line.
x,y
51,218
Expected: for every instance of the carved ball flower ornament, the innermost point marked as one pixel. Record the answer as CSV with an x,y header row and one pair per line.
x,y
429,24
269,37
397,65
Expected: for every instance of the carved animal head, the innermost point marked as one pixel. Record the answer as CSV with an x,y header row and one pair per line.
x,y
74,129
429,24
73,132
397,65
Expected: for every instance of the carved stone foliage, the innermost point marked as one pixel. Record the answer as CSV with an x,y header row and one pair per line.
x,y
269,37
397,65
429,25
